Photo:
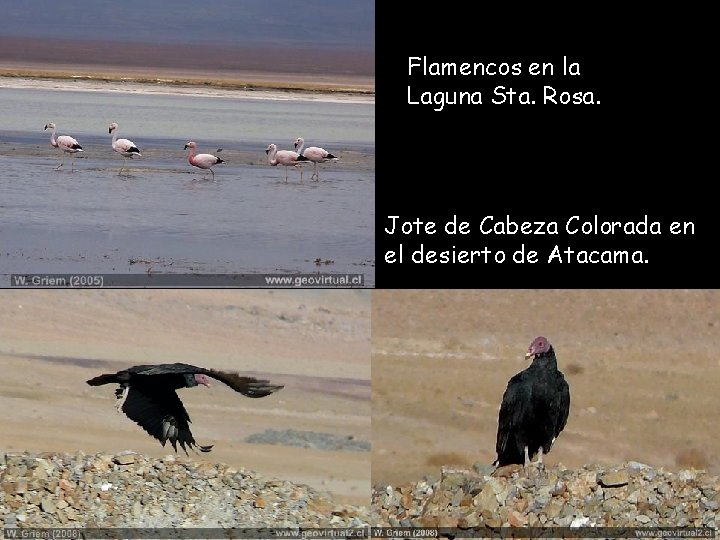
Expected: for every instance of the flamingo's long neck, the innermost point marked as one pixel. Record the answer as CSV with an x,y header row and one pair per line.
x,y
302,147
271,156
114,139
53,142
191,155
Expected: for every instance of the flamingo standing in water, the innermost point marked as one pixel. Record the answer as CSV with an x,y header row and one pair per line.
x,y
65,143
202,161
314,154
287,158
124,147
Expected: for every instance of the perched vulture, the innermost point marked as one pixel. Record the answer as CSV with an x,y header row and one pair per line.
x,y
534,409
147,396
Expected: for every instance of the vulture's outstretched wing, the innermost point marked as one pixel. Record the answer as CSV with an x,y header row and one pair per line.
x,y
164,369
161,413
247,386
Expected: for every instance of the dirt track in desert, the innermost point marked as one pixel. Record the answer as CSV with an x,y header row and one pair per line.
x,y
642,366
317,343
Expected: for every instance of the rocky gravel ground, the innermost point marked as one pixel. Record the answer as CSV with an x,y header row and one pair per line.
x,y
629,495
308,439
133,490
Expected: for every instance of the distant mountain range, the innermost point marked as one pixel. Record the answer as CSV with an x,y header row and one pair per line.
x,y
314,24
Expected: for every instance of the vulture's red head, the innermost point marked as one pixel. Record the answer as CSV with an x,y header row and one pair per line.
x,y
202,379
538,347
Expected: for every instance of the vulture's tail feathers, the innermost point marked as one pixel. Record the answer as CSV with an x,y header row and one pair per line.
x,y
106,378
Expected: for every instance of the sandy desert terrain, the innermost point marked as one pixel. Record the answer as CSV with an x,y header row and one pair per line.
x,y
642,367
316,342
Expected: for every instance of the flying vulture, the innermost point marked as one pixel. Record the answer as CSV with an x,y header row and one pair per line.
x,y
534,409
147,396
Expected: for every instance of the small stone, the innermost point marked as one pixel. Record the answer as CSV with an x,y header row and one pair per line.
x,y
47,504
483,469
508,470
552,510
62,504
446,520
614,479
259,503
516,519
9,487
452,478
458,497
406,501
642,518
470,520
612,506
66,485
137,509
559,488
124,459
486,500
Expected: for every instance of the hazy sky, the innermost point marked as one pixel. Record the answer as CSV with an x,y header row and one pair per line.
x,y
346,24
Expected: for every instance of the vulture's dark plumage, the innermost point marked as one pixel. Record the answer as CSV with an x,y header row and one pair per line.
x,y
147,396
534,409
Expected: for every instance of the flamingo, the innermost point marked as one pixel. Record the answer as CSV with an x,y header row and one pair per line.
x,y
287,158
202,161
65,143
124,147
314,154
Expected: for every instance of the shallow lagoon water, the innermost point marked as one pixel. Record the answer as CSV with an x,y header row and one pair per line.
x,y
163,216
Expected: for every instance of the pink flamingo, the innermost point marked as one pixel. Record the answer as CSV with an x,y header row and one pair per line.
x,y
124,147
202,161
287,158
314,154
65,143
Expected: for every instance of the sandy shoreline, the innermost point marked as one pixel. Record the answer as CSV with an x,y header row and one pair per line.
x,y
244,85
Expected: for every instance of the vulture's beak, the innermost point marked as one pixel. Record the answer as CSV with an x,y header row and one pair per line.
x,y
529,355
206,384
